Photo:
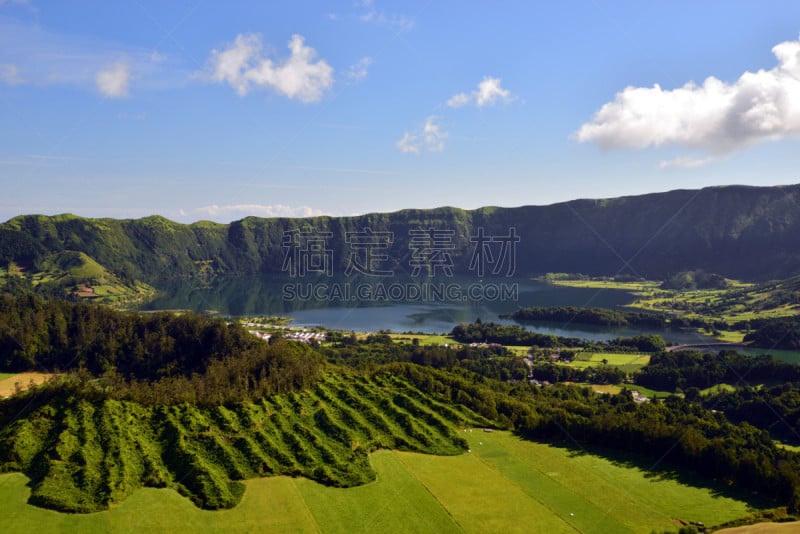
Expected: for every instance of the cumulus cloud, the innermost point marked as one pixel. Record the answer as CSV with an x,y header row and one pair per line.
x,y
297,77
237,211
358,71
113,81
487,93
430,138
716,117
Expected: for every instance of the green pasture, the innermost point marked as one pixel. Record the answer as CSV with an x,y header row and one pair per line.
x,y
625,361
505,484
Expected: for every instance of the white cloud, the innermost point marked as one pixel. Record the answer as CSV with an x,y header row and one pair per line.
x,y
684,162
487,93
238,211
409,144
431,138
433,134
43,58
358,71
297,77
113,81
9,73
716,117
459,100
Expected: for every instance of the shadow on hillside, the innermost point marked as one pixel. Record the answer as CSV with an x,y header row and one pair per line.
x,y
661,470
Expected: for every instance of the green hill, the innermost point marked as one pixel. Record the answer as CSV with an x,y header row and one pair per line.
x,y
735,231
83,456
72,274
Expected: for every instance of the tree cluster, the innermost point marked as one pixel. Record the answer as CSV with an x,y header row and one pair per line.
x,y
781,333
490,361
594,316
154,358
481,332
668,371
677,432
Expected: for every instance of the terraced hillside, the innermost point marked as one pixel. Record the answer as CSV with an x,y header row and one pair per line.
x,y
83,456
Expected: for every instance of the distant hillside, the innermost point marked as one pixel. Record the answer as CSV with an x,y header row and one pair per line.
x,y
750,233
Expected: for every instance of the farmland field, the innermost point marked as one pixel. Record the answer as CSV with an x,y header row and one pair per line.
x,y
627,362
504,484
8,381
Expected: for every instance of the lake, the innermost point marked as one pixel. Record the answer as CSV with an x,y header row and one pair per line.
x,y
430,305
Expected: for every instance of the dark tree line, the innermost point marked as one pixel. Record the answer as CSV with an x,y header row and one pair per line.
x,y
677,432
781,333
489,361
601,374
595,316
668,371
480,332
775,409
159,358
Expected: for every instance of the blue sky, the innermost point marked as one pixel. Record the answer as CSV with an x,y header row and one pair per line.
x,y
206,110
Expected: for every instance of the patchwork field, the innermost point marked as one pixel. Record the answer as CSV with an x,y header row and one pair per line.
x,y
505,484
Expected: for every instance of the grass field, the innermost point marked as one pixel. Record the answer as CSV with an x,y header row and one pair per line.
x,y
644,286
505,484
627,362
718,388
424,339
650,393
740,301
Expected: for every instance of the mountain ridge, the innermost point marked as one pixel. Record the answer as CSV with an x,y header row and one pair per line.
x,y
739,231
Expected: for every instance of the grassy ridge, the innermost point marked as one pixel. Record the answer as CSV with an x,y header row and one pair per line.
x,y
708,229
505,484
83,456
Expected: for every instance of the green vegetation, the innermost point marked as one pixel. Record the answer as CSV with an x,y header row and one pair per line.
x,y
395,502
775,409
480,498
481,332
501,481
684,369
75,276
84,455
626,283
708,230
695,280
596,316
783,333
727,310
626,362
607,493
199,406
152,358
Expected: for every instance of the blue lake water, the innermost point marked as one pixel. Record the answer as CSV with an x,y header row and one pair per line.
x,y
400,305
